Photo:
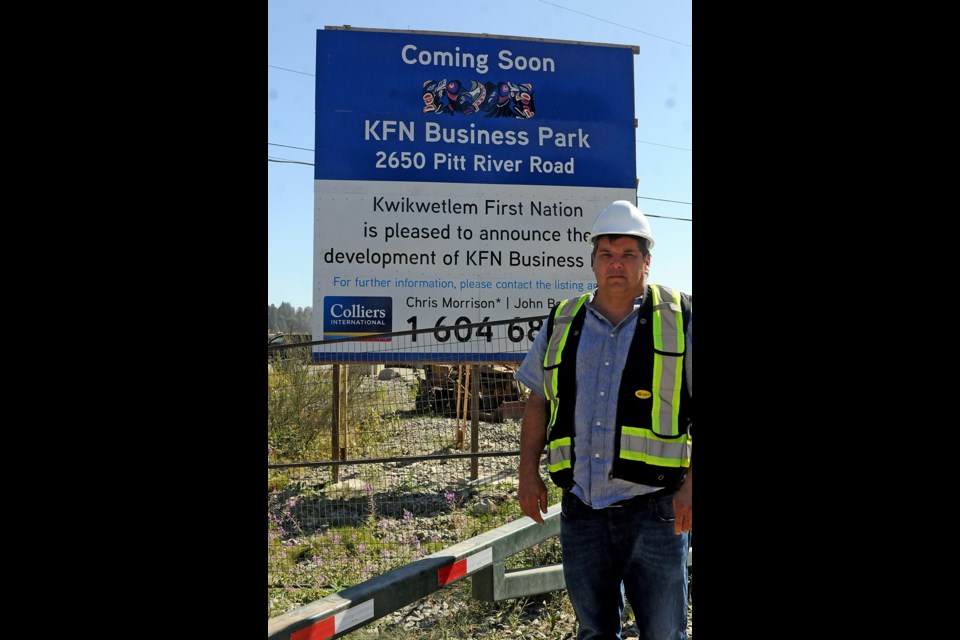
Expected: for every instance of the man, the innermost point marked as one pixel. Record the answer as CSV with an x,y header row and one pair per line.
x,y
610,376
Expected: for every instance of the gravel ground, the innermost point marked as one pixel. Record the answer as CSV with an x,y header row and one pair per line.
x,y
535,622
547,618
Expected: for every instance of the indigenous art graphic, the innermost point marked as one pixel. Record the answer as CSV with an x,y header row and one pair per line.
x,y
495,100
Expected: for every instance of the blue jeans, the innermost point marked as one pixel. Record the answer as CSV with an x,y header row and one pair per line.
x,y
632,545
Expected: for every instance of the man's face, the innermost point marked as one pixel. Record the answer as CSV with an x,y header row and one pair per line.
x,y
620,266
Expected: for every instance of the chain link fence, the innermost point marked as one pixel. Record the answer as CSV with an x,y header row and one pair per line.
x,y
385,449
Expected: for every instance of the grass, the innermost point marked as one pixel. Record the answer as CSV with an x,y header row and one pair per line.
x,y
343,558
305,566
301,403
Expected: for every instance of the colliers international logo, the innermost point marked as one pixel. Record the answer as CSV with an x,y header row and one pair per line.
x,y
357,317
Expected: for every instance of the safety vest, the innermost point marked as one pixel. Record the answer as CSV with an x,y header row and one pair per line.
x,y
654,407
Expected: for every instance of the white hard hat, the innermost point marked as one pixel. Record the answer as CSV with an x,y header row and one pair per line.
x,y
622,217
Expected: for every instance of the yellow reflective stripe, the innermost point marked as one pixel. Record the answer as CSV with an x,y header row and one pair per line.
x,y
654,460
667,320
550,384
667,317
657,363
563,317
675,399
558,455
551,357
640,432
676,326
550,354
646,446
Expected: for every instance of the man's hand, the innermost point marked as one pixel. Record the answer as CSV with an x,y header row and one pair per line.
x,y
683,506
532,493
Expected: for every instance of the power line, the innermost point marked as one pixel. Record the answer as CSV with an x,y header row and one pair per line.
x,y
288,146
285,161
668,146
651,215
310,164
291,70
616,24
662,200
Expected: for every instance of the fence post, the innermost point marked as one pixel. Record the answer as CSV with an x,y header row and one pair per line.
x,y
345,412
461,415
335,422
474,422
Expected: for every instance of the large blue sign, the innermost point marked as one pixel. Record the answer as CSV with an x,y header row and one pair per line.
x,y
423,107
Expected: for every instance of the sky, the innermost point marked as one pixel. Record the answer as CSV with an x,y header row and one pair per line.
x,y
663,91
